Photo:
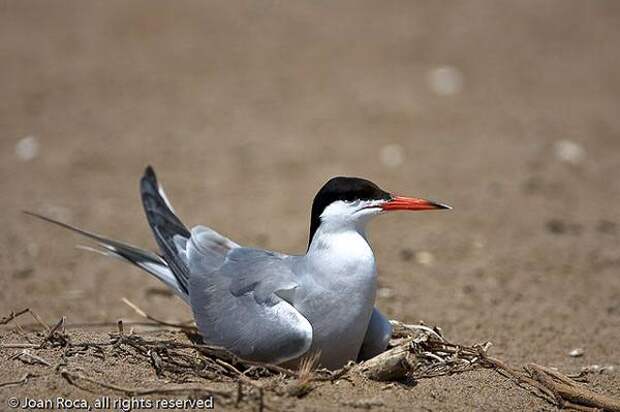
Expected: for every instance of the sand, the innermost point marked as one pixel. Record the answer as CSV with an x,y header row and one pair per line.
x,y
508,111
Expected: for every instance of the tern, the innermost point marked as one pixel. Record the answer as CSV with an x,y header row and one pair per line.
x,y
266,306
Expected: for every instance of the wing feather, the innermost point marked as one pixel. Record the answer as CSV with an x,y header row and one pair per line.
x,y
237,306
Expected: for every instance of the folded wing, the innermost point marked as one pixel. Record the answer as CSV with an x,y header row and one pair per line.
x,y
238,305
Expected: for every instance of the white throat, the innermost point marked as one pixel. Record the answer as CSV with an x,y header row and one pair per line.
x,y
342,253
337,239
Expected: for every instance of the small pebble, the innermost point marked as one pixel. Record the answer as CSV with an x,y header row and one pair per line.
x,y
27,148
598,368
392,155
576,353
569,152
385,293
445,80
424,258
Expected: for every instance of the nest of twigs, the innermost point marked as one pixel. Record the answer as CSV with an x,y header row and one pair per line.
x,y
415,352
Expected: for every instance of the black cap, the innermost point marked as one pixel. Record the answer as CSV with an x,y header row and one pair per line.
x,y
343,188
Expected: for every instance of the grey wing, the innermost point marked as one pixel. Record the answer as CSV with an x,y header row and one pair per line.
x,y
239,304
209,249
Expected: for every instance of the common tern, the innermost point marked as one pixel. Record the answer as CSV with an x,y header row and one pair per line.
x,y
267,306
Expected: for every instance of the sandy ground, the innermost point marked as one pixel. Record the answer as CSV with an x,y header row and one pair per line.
x,y
508,111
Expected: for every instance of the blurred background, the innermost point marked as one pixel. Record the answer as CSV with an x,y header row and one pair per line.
x,y
508,111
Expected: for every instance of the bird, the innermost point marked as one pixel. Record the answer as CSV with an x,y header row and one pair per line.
x,y
270,307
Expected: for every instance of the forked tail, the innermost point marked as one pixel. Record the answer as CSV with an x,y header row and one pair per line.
x,y
144,259
170,233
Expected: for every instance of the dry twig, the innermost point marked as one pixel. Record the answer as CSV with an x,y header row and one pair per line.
x,y
6,319
151,318
22,381
415,352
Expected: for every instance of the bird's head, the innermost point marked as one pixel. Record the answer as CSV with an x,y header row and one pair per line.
x,y
345,202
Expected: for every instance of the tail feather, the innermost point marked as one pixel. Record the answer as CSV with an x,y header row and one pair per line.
x,y
144,259
169,231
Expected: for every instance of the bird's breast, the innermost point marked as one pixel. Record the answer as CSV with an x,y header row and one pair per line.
x,y
337,297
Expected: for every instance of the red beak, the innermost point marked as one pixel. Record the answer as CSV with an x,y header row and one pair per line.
x,y
411,203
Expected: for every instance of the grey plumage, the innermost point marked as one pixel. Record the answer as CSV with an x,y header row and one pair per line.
x,y
169,231
238,305
262,305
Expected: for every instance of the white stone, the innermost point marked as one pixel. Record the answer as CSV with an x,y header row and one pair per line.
x,y
424,258
445,80
27,148
568,151
392,155
385,293
576,353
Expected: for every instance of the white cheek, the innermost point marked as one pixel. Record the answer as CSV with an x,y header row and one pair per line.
x,y
352,211
340,210
372,204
